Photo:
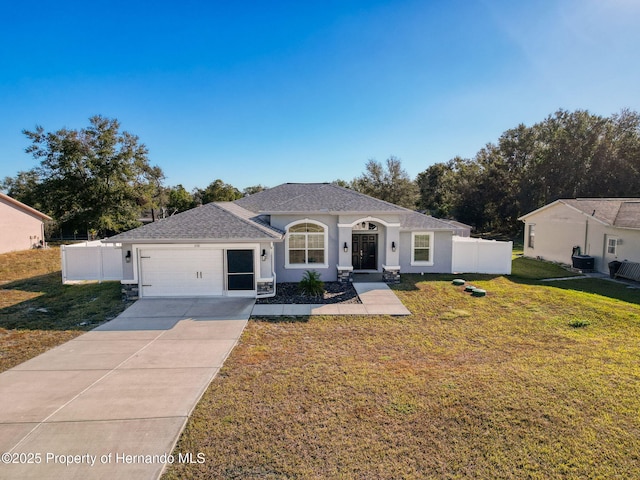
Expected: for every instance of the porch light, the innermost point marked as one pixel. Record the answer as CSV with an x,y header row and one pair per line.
x,y
264,255
346,247
127,257
393,246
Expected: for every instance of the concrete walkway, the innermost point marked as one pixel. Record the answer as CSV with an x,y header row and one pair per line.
x,y
112,402
376,297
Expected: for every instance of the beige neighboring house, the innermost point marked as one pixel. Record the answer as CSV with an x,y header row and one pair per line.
x,y
21,227
605,228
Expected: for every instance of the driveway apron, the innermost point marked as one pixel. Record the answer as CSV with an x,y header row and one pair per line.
x,y
113,402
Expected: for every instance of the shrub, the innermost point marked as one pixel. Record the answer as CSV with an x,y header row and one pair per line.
x,y
577,323
311,284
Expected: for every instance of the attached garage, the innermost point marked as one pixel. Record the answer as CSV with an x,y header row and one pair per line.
x,y
216,249
180,272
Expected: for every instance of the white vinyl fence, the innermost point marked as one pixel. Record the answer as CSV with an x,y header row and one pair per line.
x,y
474,255
91,261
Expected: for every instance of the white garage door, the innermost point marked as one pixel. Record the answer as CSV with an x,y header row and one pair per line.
x,y
181,273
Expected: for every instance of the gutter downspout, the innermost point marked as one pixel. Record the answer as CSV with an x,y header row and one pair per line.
x,y
586,237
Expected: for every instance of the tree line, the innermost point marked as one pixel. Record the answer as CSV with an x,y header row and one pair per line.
x,y
567,155
99,179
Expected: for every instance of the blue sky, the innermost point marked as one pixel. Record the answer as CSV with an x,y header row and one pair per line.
x,y
266,92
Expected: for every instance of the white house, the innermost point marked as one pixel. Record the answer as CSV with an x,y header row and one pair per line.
x,y
605,228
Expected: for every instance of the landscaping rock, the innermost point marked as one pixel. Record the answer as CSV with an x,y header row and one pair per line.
x,y
334,292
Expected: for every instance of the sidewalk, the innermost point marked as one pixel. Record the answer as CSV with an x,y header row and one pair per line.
x,y
376,297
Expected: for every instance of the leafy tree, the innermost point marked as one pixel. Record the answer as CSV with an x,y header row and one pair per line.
x,y
217,191
341,183
179,200
437,189
567,155
253,189
391,184
25,187
97,178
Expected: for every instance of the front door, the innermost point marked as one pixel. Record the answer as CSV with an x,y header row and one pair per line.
x,y
610,249
364,252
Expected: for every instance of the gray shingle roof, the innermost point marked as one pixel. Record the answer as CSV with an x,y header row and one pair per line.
x,y
243,219
419,221
315,198
618,212
210,222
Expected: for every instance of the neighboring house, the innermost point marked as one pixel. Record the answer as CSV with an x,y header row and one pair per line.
x,y
21,227
244,247
605,228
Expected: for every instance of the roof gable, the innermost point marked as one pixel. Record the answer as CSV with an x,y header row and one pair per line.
x,y
210,222
615,212
21,206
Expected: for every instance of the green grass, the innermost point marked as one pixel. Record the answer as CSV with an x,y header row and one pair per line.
x,y
37,312
532,269
494,387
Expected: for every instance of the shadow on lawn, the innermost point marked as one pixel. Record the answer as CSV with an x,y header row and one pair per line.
x,y
602,287
43,303
409,281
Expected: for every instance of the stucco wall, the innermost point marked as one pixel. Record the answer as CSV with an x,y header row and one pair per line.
x,y
559,228
16,226
329,274
441,258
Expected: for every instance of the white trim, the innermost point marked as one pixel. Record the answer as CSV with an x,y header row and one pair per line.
x,y
615,240
293,266
345,269
369,218
420,263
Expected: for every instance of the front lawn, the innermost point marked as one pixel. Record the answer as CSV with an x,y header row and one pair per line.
x,y
37,312
532,381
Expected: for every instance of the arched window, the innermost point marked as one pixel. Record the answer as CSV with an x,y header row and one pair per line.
x,y
306,244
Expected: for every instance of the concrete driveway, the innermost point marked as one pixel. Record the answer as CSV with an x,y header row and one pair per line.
x,y
112,402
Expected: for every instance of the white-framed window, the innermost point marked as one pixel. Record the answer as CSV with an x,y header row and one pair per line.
x,y
422,248
612,246
306,244
532,235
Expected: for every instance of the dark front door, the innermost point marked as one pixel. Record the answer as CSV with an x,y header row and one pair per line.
x,y
364,254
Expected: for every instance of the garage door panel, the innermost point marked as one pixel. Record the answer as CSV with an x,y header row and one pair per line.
x,y
176,272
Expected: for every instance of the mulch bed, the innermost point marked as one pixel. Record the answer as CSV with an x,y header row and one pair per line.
x,y
334,292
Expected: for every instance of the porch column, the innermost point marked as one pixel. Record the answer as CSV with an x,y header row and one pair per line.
x,y
391,266
345,269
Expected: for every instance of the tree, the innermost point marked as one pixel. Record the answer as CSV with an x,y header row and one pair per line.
x,y
217,191
97,178
25,187
567,155
392,184
179,200
341,183
253,189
